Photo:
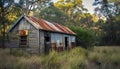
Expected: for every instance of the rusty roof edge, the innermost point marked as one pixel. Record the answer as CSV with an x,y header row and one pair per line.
x,y
60,29
57,32
69,31
31,22
52,25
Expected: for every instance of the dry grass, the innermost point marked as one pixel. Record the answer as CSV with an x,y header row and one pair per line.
x,y
19,59
105,57
78,58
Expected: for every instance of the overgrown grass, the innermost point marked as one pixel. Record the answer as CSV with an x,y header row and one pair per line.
x,y
105,54
106,57
19,59
77,58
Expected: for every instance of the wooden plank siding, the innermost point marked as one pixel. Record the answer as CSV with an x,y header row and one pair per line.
x,y
42,46
32,41
13,36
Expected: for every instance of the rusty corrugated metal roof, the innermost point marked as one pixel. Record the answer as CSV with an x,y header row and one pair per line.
x,y
45,25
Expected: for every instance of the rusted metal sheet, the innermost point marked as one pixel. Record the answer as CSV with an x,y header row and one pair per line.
x,y
48,26
64,29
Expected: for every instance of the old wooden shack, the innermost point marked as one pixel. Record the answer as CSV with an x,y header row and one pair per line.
x,y
38,35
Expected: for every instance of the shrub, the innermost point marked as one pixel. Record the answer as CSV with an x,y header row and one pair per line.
x,y
74,59
84,37
51,61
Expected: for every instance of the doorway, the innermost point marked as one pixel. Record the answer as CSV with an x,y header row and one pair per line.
x,y
47,42
66,43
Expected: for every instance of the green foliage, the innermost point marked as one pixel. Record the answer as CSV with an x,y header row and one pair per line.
x,y
69,6
111,32
84,37
75,11
110,29
53,14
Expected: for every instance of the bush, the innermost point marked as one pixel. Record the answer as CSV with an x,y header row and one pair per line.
x,y
84,37
51,61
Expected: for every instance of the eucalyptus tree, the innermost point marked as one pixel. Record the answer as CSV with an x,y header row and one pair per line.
x,y
53,14
5,8
110,9
71,7
76,12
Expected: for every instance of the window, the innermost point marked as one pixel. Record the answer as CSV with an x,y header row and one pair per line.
x,y
23,38
23,41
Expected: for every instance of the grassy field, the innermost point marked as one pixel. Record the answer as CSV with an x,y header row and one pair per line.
x,y
78,58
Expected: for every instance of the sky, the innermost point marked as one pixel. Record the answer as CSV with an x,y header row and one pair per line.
x,y
87,4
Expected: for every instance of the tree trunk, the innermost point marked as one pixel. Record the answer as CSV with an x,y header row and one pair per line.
x,y
3,23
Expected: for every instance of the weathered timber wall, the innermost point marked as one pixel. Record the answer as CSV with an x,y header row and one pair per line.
x,y
32,38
